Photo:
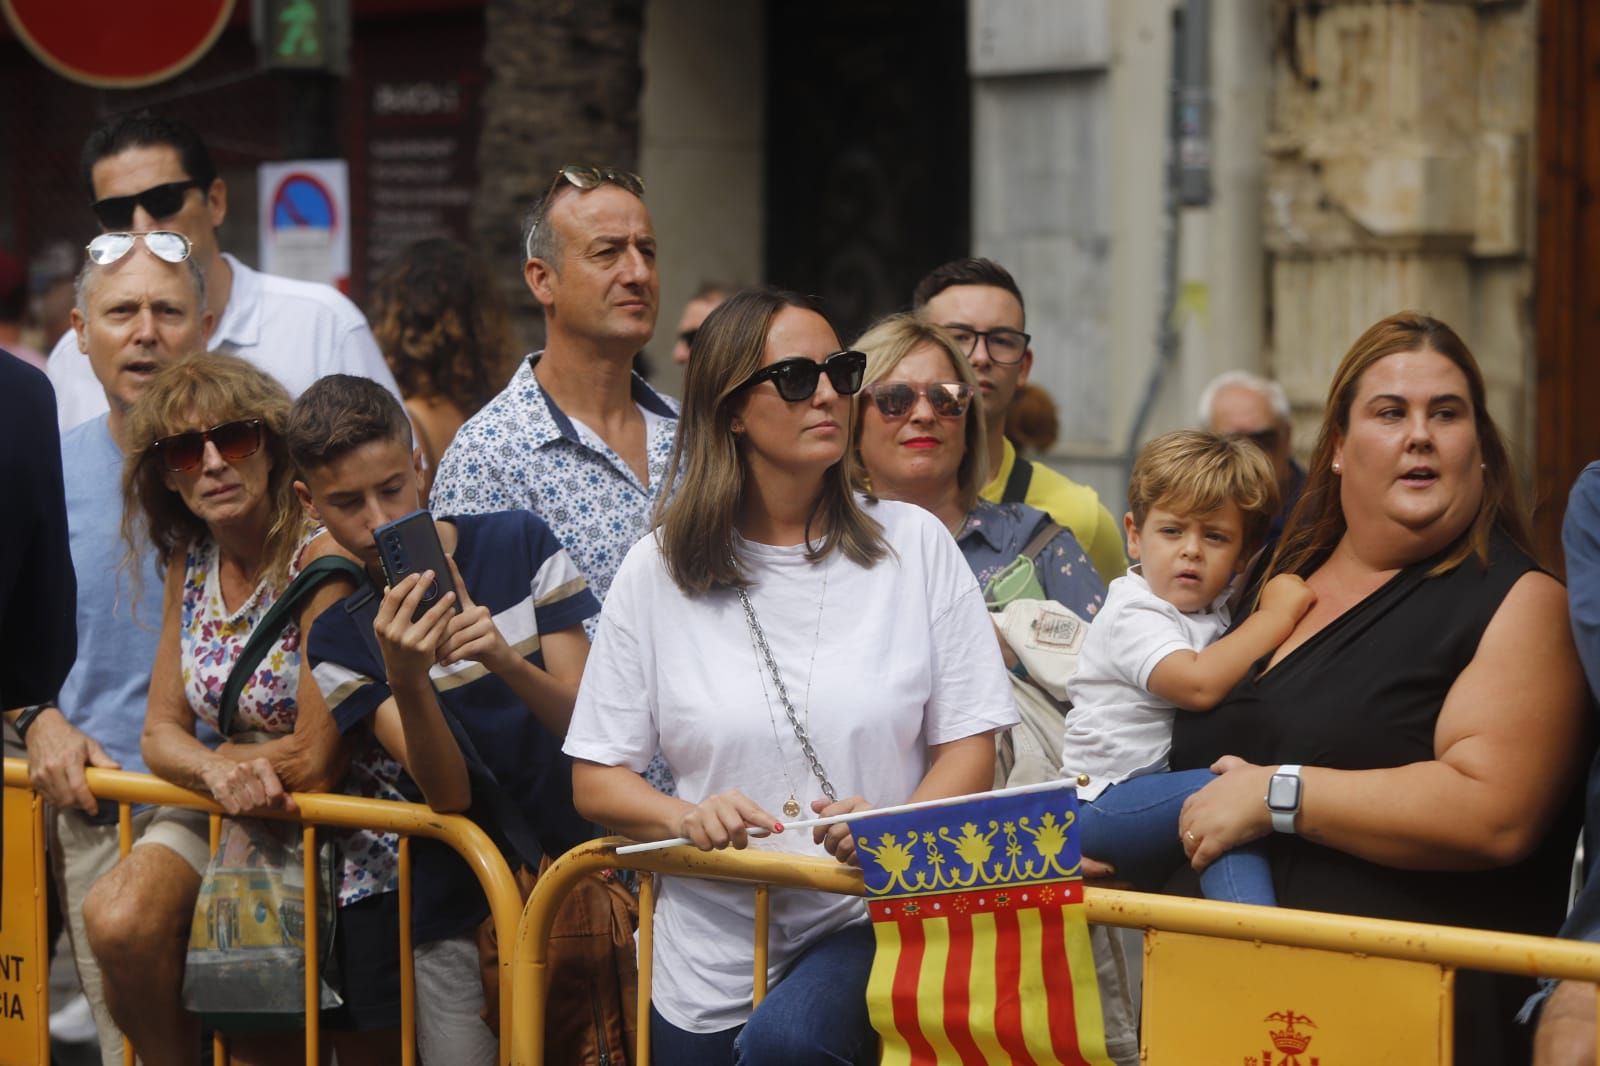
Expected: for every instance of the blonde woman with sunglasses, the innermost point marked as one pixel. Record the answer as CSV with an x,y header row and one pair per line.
x,y
208,482
792,649
921,439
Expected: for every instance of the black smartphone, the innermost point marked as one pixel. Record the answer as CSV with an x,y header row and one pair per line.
x,y
409,545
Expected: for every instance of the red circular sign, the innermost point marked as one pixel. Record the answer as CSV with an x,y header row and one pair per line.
x,y
117,45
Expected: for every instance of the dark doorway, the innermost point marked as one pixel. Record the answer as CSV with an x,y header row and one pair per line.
x,y
868,182
1567,263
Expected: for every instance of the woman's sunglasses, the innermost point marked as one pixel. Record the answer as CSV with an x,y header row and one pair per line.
x,y
234,441
796,379
895,399
163,244
162,201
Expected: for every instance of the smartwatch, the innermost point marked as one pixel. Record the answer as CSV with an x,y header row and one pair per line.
x,y
1283,797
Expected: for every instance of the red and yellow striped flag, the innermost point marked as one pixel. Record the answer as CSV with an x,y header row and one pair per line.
x,y
983,950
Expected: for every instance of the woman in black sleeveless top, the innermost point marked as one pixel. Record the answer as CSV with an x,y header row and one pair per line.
x,y
1432,696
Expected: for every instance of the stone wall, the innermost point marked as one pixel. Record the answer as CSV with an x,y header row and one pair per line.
x,y
564,85
1398,176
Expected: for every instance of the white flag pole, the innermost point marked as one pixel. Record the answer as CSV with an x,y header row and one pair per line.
x,y
878,812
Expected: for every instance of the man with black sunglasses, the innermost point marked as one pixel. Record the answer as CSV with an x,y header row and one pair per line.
x,y
1241,404
135,313
143,172
979,302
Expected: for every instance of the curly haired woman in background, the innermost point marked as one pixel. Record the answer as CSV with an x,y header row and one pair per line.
x,y
445,332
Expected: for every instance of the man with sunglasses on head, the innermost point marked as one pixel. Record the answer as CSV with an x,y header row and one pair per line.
x,y
979,302
145,172
576,437
1241,404
140,304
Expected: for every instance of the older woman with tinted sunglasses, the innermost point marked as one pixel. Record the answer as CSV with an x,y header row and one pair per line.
x,y
793,649
920,439
208,481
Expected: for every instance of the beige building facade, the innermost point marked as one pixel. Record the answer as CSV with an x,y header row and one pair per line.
x,y
1359,158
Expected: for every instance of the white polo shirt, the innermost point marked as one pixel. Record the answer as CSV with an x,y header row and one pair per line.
x,y
1118,728
297,331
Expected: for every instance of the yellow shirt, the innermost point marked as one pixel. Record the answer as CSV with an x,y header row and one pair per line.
x,y
1075,506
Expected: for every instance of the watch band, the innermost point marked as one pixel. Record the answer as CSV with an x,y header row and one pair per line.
x,y
1283,819
22,721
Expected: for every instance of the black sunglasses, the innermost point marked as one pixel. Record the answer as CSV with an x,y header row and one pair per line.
x,y
895,399
1265,439
162,201
796,378
234,441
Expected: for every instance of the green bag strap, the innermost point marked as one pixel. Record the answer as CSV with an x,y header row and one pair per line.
x,y
271,625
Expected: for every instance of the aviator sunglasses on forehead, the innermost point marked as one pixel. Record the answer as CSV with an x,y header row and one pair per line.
x,y
185,451
161,201
585,178
163,244
796,378
895,399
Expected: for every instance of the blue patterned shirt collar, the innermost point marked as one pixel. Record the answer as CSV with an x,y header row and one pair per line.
x,y
551,422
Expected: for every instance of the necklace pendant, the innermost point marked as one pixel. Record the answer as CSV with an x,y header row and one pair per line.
x,y
791,808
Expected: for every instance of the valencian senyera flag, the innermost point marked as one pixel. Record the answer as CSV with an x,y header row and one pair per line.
x,y
982,947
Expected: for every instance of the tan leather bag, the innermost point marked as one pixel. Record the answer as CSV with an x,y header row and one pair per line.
x,y
594,977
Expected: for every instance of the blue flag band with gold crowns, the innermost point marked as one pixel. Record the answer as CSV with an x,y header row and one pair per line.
x,y
983,950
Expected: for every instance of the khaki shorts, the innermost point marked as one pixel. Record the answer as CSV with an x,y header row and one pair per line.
x,y
185,831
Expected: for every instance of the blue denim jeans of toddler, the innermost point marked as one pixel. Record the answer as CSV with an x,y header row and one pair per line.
x,y
1133,826
817,1014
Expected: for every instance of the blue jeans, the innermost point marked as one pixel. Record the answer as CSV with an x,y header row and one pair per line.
x,y
816,1014
1134,827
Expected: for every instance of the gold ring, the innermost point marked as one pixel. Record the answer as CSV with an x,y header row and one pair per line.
x,y
1189,833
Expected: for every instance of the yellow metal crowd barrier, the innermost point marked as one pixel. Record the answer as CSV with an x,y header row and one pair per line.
x,y
1377,985
315,809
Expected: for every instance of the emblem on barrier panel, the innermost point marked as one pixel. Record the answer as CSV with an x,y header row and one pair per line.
x,y
1290,1042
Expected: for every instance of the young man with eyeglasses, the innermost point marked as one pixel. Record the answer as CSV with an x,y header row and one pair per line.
x,y
979,302
145,172
1241,404
136,311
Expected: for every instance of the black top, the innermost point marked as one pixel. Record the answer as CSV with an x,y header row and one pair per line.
x,y
38,590
1365,693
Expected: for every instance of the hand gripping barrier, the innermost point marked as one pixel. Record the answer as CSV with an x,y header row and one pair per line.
x,y
1189,1014
335,811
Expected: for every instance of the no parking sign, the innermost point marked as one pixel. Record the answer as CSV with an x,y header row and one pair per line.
x,y
305,220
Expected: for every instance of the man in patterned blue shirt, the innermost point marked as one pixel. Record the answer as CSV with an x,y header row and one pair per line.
x,y
576,437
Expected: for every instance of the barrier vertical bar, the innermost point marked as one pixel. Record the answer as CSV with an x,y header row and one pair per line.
x,y
408,975
124,829
647,943
308,836
762,914
220,1055
41,922
124,846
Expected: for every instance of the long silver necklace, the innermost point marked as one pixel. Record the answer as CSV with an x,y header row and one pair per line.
x,y
763,651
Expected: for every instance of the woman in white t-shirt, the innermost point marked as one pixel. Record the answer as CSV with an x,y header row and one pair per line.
x,y
792,649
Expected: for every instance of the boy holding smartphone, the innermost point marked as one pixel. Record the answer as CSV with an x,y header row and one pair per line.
x,y
469,702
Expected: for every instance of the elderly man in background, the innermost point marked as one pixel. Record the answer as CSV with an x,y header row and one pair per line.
x,y
1241,404
140,303
145,172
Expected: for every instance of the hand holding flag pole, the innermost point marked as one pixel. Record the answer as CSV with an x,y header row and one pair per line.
x,y
879,812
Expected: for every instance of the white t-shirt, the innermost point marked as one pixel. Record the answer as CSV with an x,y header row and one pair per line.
x,y
1117,728
297,331
906,658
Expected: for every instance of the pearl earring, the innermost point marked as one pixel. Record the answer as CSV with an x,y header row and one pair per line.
x,y
1336,467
